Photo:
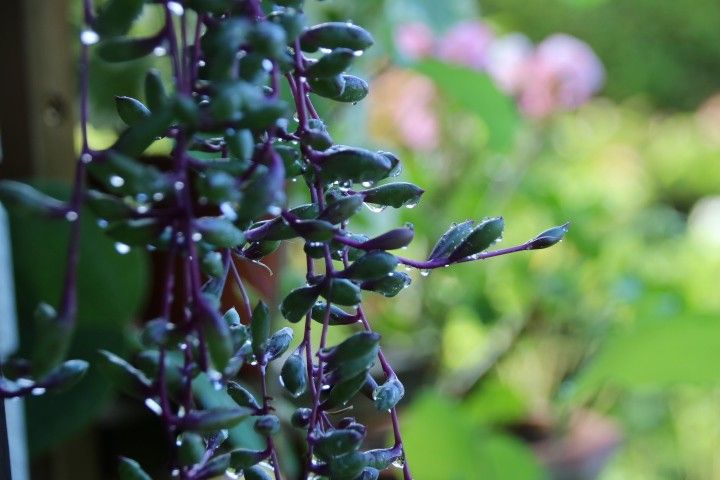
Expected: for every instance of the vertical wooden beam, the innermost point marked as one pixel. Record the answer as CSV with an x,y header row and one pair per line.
x,y
36,89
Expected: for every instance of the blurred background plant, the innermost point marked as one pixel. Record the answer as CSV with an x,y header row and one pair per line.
x,y
594,359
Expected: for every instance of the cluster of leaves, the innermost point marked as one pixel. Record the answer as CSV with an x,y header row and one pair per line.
x,y
220,196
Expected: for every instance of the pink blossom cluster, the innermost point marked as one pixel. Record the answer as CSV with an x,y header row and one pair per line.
x,y
560,73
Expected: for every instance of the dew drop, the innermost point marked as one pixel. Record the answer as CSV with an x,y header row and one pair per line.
x,y
325,50
86,158
142,209
274,210
358,53
153,406
122,248
117,181
228,211
424,272
159,51
197,236
367,184
399,463
157,196
89,37
179,185
102,223
375,208
175,8
267,65
38,391
411,204
201,63
71,216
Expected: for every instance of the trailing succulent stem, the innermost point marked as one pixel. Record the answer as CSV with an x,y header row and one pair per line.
x,y
219,196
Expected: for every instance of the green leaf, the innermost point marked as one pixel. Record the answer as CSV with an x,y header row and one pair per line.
x,y
138,137
343,292
387,395
214,419
293,375
136,232
656,355
117,16
53,337
124,49
372,265
220,232
344,391
155,91
241,396
278,343
482,236
124,376
442,444
392,240
24,199
298,302
549,237
260,328
383,457
354,355
243,434
389,285
337,442
399,194
338,316
331,64
342,163
66,376
243,458
192,448
219,340
256,473
341,208
129,469
267,425
348,465
475,92
335,35
330,87
451,240
355,90
130,109
108,207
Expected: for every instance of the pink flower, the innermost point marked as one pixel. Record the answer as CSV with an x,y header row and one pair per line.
x,y
563,73
507,61
402,110
414,40
466,43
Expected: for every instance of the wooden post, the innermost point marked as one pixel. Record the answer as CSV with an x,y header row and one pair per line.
x,y
36,89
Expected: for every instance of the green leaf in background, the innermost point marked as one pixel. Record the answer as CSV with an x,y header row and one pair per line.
x,y
110,292
241,435
439,15
441,443
683,350
476,93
